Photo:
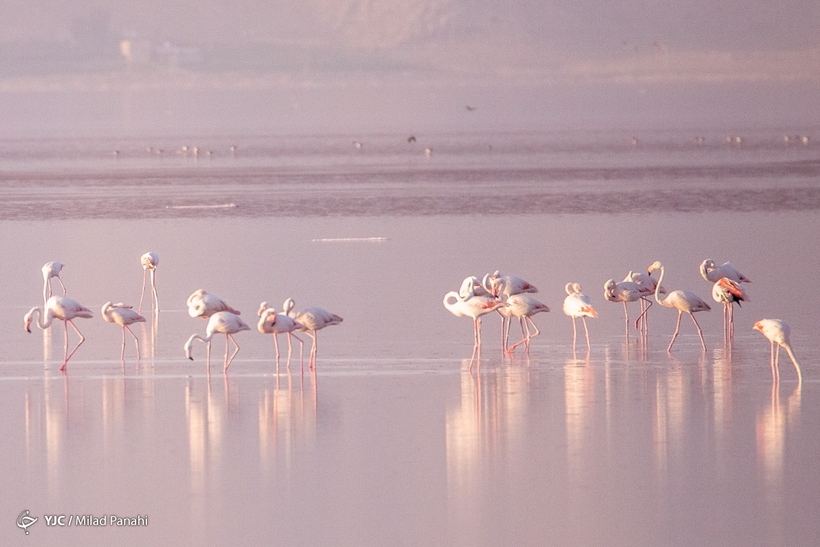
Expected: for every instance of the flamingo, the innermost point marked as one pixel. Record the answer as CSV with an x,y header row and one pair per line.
x,y
683,301
149,261
274,323
51,269
312,320
577,304
777,331
524,307
123,316
727,292
645,281
500,285
65,309
625,291
713,273
204,304
474,306
223,322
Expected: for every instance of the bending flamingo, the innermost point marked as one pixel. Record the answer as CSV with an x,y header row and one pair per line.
x,y
149,261
625,291
576,305
683,301
713,273
727,292
647,282
500,285
311,321
523,307
51,270
65,309
223,322
274,323
473,306
777,331
123,316
204,304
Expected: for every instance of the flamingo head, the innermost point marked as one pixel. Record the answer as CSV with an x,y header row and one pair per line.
x,y
188,347
654,266
262,307
609,287
27,322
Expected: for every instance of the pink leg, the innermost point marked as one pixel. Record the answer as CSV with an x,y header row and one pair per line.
x,y
700,332
626,320
82,339
574,334
136,342
229,361
142,295
276,345
677,328
122,350
584,319
154,290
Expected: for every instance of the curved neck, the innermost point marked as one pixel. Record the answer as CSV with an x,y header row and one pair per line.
x,y
658,288
49,317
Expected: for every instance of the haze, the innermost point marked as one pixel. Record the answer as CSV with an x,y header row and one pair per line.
x,y
350,66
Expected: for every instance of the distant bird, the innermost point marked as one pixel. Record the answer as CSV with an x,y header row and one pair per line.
x,y
777,331
274,323
123,316
223,322
713,273
683,301
357,145
204,304
50,270
411,138
65,309
576,305
634,141
428,151
523,307
149,262
473,306
471,108
727,292
311,321
625,291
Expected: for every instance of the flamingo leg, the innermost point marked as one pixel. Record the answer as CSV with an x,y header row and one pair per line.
x,y
771,362
82,339
229,361
154,289
677,328
136,342
122,350
626,320
208,356
276,345
142,294
574,334
700,332
584,320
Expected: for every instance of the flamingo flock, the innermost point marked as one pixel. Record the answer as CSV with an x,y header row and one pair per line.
x,y
221,317
506,295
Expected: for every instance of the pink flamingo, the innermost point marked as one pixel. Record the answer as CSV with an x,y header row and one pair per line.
x,y
312,320
274,323
223,322
777,331
149,261
123,316
474,306
727,292
683,301
51,270
713,273
577,304
66,310
523,307
625,291
204,304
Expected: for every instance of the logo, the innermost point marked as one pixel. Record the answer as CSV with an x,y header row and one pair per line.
x,y
24,520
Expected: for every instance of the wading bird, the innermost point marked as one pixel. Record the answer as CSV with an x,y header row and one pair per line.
x,y
625,291
501,285
65,309
311,321
683,301
777,332
223,322
713,273
727,292
473,306
123,316
274,323
576,305
51,269
149,261
204,304
523,307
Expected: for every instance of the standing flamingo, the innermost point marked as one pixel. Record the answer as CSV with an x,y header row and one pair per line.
x,y
274,323
65,309
223,322
683,301
204,304
149,261
500,285
123,316
625,291
311,321
51,269
727,292
523,307
577,304
648,282
713,273
777,331
474,306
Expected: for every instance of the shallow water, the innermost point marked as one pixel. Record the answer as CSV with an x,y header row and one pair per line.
x,y
393,440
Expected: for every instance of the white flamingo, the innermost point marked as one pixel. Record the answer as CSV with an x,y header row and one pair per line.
x,y
274,323
204,304
149,262
625,291
223,322
576,305
683,301
523,307
777,331
713,273
312,320
473,306
51,270
123,316
727,292
501,285
66,310
648,282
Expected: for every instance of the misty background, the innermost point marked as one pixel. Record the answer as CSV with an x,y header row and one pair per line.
x,y
279,67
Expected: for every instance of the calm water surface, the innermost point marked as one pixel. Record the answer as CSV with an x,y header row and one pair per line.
x,y
393,440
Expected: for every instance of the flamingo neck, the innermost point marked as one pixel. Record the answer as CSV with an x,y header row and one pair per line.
x,y
658,289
